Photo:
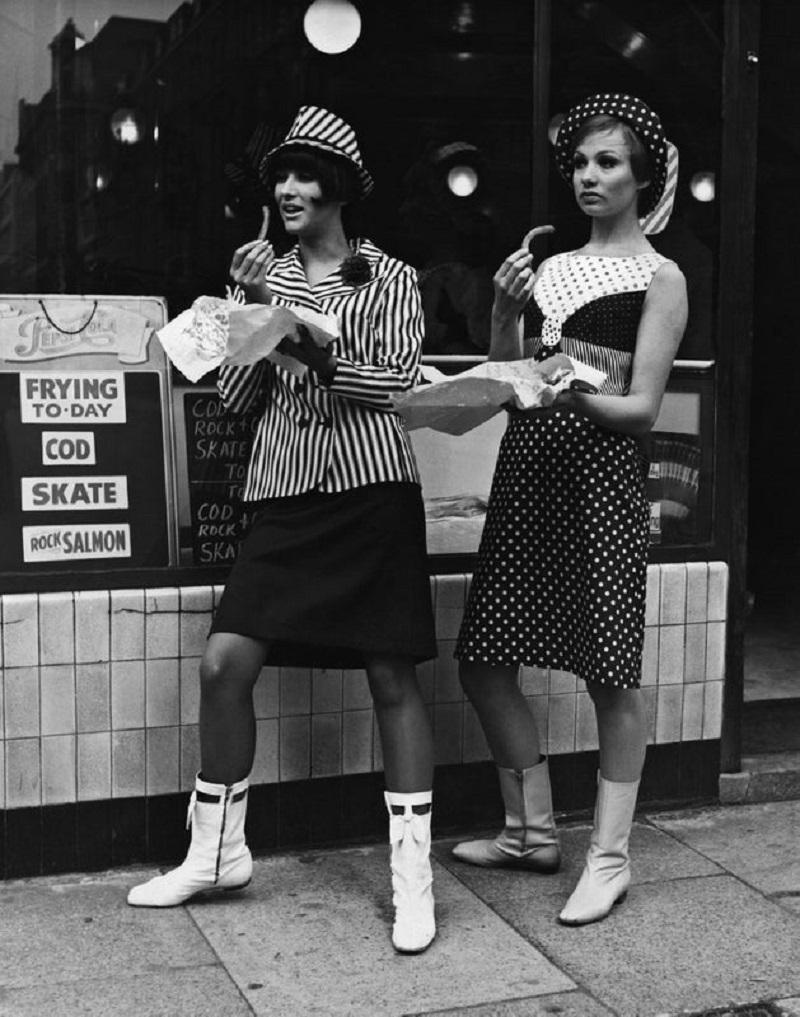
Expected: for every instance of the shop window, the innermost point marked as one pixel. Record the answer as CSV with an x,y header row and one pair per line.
x,y
130,169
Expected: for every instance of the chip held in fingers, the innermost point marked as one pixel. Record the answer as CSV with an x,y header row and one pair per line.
x,y
262,233
531,235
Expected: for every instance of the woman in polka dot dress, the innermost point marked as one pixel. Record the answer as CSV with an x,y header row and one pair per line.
x,y
561,575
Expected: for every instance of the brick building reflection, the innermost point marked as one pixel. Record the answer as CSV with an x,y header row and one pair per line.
x,y
142,212
208,89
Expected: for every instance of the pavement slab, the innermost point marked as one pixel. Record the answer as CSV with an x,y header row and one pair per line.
x,y
656,856
757,843
177,992
712,920
562,1004
311,936
81,924
684,942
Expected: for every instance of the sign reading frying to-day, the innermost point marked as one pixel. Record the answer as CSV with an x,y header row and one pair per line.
x,y
96,396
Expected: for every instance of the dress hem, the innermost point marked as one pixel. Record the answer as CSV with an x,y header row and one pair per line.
x,y
469,658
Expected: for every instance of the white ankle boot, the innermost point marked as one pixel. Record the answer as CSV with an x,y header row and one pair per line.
x,y
218,857
529,840
607,873
412,876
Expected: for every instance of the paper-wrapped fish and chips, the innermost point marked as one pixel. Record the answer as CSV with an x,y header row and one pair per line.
x,y
457,403
224,330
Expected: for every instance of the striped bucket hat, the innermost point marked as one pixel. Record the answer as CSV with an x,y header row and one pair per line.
x,y
638,116
315,127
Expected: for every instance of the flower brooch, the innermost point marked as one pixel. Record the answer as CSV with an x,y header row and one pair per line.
x,y
355,270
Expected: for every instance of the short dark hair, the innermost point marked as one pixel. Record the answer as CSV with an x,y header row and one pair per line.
x,y
641,163
336,177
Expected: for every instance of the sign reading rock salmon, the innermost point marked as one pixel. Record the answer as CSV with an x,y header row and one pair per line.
x,y
86,455
49,543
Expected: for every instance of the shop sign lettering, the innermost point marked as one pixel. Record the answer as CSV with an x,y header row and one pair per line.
x,y
68,448
82,540
95,396
47,494
103,330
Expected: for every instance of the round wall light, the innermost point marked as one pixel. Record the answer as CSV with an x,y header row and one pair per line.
x,y
332,26
462,181
126,127
703,186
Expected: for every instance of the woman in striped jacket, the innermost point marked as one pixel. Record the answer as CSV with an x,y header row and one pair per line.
x,y
334,570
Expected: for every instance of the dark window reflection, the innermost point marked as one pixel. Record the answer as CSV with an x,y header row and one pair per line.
x,y
133,163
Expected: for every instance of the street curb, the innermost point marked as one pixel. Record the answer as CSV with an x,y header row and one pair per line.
x,y
771,777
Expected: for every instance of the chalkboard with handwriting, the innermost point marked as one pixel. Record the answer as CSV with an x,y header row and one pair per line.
x,y
217,452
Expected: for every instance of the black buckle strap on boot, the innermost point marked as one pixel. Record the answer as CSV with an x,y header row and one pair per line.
x,y
208,799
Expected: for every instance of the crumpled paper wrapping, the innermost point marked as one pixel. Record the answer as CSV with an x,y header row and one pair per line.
x,y
455,404
218,330
255,330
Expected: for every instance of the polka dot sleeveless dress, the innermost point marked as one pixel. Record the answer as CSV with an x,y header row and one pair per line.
x,y
562,566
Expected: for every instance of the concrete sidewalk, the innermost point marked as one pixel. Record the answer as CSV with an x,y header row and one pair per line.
x,y
713,920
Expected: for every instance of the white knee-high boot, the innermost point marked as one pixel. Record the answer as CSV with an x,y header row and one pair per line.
x,y
412,876
529,839
218,857
606,876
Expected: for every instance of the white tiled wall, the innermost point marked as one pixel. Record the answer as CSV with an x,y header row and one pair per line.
x,y
99,695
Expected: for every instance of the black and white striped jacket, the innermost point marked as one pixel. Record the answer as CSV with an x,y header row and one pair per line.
x,y
343,435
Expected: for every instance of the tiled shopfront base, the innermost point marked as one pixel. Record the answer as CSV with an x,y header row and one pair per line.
x,y
99,702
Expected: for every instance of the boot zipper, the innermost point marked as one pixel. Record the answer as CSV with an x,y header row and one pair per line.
x,y
523,808
225,799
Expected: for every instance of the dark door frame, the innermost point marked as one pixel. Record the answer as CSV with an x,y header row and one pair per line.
x,y
735,341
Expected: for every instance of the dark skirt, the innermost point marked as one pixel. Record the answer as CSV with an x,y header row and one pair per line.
x,y
329,579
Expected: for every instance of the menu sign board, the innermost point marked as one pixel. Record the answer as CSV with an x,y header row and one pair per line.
x,y
85,452
217,452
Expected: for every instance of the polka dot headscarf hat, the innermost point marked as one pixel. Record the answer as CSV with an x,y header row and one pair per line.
x,y
635,114
315,127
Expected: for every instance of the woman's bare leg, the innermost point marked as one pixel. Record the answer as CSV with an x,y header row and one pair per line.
x,y
622,731
404,724
228,672
504,714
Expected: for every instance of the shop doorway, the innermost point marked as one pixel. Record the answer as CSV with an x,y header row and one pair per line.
x,y
771,716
